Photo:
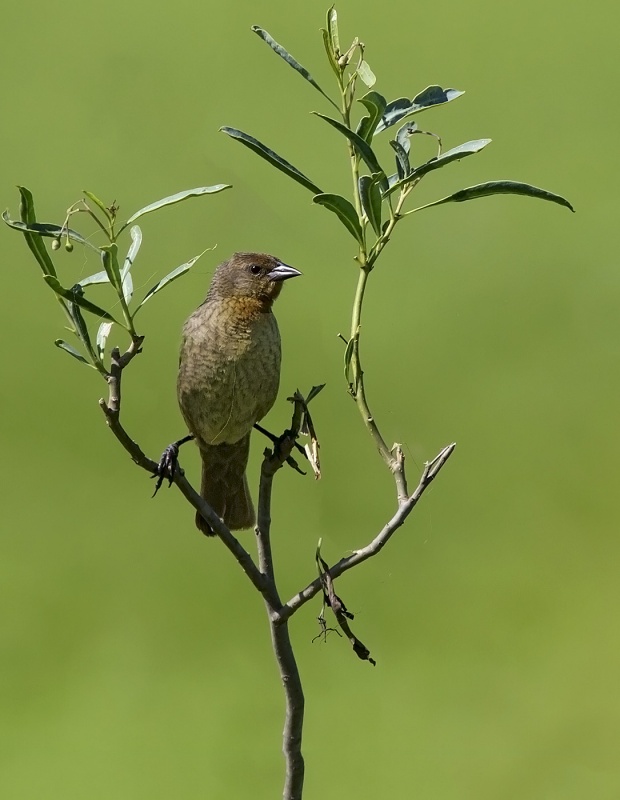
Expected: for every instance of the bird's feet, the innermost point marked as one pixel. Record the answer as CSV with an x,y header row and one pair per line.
x,y
168,463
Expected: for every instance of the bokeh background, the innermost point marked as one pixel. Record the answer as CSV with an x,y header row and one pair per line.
x,y
135,656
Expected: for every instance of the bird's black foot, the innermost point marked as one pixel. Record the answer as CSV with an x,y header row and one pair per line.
x,y
278,441
168,463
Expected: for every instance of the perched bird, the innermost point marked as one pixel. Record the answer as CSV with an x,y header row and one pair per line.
x,y
229,371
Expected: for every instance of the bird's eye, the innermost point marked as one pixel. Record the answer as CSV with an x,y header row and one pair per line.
x,y
255,269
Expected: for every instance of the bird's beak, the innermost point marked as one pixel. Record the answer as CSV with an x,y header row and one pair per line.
x,y
282,272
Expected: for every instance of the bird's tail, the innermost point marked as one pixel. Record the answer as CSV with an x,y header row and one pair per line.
x,y
225,486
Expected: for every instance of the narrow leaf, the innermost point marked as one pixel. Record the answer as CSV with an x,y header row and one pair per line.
x,y
109,258
348,354
34,242
500,187
362,147
366,74
72,352
456,154
375,104
127,280
330,55
128,287
47,229
99,203
98,277
370,195
402,159
102,338
273,158
78,320
403,134
170,277
431,96
345,212
136,241
332,27
75,297
176,198
277,48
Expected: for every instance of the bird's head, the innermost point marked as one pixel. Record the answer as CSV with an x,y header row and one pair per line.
x,y
251,276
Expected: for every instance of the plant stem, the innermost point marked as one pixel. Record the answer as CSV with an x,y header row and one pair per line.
x,y
358,373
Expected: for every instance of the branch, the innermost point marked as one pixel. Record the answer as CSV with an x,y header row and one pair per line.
x,y
430,472
112,410
294,719
282,647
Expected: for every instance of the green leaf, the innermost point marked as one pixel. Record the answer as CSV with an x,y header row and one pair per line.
x,y
370,195
128,287
273,158
109,257
348,354
170,277
81,329
345,212
136,241
98,277
73,352
332,27
362,147
330,56
277,48
403,134
102,338
127,281
47,229
34,241
456,154
500,187
350,372
99,203
75,297
366,74
176,198
375,104
402,159
431,96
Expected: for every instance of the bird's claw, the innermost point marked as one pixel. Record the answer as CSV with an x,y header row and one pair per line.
x,y
168,464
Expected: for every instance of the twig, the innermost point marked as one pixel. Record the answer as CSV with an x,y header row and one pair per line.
x,y
430,472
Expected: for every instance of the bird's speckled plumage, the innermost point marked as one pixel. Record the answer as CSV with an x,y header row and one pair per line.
x,y
229,372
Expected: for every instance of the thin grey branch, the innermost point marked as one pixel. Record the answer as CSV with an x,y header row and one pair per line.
x,y
430,472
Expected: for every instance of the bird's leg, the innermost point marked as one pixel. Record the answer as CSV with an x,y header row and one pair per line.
x,y
277,441
168,463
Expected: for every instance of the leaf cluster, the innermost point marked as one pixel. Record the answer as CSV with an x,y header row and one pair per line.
x,y
379,193
73,300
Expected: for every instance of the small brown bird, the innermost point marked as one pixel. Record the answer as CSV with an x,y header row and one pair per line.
x,y
229,371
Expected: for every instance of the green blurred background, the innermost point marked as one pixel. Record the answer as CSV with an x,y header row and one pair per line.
x,y
135,657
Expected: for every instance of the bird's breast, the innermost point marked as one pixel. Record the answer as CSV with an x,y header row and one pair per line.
x,y
229,370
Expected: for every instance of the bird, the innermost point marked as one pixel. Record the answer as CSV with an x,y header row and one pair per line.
x,y
229,373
